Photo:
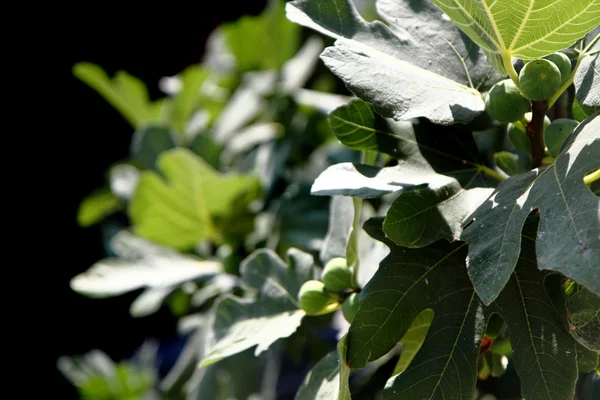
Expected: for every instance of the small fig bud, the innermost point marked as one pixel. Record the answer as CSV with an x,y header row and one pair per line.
x,y
505,103
557,132
337,277
314,297
350,307
539,79
562,62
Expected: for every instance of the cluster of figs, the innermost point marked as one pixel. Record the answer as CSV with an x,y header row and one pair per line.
x,y
335,289
538,80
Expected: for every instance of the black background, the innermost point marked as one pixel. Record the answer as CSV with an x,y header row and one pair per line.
x,y
87,136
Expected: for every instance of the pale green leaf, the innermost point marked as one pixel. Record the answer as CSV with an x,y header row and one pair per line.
x,y
342,349
275,313
124,92
413,339
570,219
278,39
96,206
396,74
187,99
180,209
527,29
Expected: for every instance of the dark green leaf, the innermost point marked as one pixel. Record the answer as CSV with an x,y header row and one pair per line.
x,y
149,142
411,280
413,339
587,360
244,323
584,318
323,381
569,237
397,73
429,205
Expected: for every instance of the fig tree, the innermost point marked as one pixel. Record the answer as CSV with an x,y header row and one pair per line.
x,y
315,298
539,79
350,307
557,132
337,276
505,103
562,62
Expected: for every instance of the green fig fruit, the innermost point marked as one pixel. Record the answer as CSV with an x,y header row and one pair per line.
x,y
539,79
337,277
350,307
518,137
505,103
562,62
494,327
315,299
557,132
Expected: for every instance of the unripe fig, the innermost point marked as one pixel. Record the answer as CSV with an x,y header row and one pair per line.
x,y
557,132
562,62
519,138
505,103
539,79
494,327
314,297
350,307
337,276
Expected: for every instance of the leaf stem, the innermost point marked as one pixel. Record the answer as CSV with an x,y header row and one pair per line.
x,y
368,158
535,131
589,178
565,85
510,68
490,172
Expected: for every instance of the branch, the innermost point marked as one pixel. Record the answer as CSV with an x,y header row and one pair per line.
x,y
535,131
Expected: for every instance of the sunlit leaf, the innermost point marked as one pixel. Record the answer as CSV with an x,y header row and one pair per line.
x,y
124,92
180,209
275,313
568,240
140,264
400,77
523,29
